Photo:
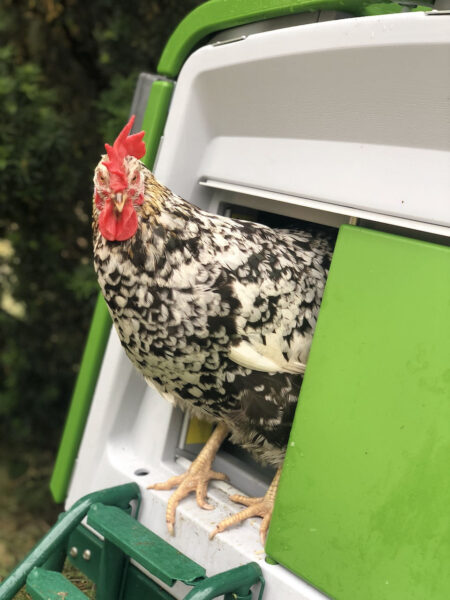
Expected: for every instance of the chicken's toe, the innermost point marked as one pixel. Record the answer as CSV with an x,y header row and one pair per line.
x,y
256,507
195,479
260,508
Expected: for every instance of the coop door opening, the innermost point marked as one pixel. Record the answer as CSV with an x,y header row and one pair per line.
x,y
244,472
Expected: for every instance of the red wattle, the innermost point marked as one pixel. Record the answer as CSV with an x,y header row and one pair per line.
x,y
120,227
127,222
107,222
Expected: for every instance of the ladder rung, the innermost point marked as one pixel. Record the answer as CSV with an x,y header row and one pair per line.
x,y
51,585
144,546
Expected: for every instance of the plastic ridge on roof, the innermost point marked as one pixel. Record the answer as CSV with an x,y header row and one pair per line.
x,y
217,15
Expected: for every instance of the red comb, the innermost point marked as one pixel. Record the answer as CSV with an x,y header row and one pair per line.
x,y
125,145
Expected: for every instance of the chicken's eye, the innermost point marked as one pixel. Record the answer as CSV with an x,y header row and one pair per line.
x,y
101,178
135,178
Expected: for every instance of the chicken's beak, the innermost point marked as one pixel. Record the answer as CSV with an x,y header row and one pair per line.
x,y
119,201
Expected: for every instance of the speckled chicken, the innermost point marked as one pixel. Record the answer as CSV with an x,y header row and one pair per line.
x,y
217,314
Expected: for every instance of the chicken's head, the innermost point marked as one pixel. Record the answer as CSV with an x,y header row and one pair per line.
x,y
119,185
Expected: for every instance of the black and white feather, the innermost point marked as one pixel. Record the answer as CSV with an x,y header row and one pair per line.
x,y
218,314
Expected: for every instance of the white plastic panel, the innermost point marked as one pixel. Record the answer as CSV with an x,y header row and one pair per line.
x,y
352,112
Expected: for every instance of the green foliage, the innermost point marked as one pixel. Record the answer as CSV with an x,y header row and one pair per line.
x,y
67,75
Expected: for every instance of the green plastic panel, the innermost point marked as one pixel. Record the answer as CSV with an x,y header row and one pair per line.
x,y
217,15
81,400
82,538
144,546
235,584
137,585
153,124
155,118
48,550
363,505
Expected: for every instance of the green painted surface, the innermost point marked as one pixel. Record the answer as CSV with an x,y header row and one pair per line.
x,y
139,587
50,585
153,124
81,537
235,584
81,400
155,118
217,15
136,586
144,546
50,545
363,505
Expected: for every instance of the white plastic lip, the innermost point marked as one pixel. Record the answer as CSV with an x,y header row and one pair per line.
x,y
336,34
326,206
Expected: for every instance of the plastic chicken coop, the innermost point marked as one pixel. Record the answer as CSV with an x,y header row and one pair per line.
x,y
332,112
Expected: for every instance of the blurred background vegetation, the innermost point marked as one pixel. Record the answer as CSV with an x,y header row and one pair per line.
x,y
68,70
67,75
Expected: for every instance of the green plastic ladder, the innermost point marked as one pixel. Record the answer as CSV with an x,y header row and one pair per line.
x,y
124,538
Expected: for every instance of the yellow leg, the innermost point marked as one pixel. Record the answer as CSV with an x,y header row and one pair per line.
x,y
196,477
257,507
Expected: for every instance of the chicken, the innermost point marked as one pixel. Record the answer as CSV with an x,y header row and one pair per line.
x,y
217,314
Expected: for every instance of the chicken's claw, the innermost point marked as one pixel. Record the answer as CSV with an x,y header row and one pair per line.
x,y
195,479
256,507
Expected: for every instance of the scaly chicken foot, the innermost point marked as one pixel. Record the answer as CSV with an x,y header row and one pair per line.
x,y
257,507
195,479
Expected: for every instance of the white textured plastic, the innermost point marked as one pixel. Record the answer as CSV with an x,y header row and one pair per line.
x,y
351,114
